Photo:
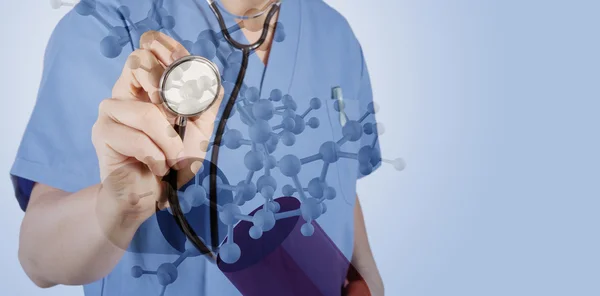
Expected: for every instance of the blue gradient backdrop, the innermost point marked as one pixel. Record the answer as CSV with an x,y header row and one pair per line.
x,y
495,107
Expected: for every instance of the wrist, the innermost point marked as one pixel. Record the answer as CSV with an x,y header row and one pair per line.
x,y
117,217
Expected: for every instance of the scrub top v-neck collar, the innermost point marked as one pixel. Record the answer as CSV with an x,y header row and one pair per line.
x,y
279,70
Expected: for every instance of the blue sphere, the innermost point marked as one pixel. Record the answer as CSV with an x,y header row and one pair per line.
x,y
263,109
267,192
274,206
188,45
168,22
330,152
110,46
275,95
230,253
364,154
337,105
185,206
369,128
271,144
231,72
235,57
260,131
166,274
270,162
289,102
323,208
316,187
315,103
290,165
365,168
247,190
279,35
86,7
195,195
205,48
137,271
264,219
288,190
313,122
311,209
288,138
288,123
372,108
329,193
255,232
228,213
352,131
206,183
208,35
232,139
254,160
307,229
266,181
299,126
252,94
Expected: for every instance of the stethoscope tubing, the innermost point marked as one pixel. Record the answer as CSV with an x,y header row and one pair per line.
x,y
171,178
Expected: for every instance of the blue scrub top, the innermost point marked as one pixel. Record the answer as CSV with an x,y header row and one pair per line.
x,y
314,50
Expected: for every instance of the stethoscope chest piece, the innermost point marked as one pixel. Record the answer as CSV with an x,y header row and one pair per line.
x,y
190,85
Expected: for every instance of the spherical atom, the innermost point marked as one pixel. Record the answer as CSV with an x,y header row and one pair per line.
x,y
289,113
206,183
316,187
185,206
373,108
375,157
228,213
191,249
252,94
208,35
254,160
274,207
189,46
364,154
86,7
260,131
311,209
275,95
352,131
110,47
168,22
247,190
288,138
230,253
399,164
267,192
380,128
235,57
289,165
205,48
288,190
137,271
166,274
266,220
270,162
266,181
279,33
124,12
231,72
315,103
338,105
255,232
307,229
368,128
330,151
313,122
299,126
323,208
365,168
288,123
232,139
263,109
329,193
289,102
271,144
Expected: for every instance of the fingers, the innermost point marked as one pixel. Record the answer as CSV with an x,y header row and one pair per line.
x,y
140,78
133,143
148,119
166,49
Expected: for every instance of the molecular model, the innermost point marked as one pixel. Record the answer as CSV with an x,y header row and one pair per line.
x,y
271,123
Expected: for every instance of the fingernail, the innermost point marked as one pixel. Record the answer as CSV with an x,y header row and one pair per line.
x,y
178,54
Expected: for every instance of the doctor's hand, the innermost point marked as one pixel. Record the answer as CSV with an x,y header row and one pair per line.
x,y
134,137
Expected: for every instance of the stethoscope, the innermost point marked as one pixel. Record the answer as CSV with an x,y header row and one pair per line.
x,y
188,87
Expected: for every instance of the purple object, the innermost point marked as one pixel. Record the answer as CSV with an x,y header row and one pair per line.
x,y
285,262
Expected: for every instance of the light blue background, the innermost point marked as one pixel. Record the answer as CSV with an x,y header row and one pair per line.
x,y
495,107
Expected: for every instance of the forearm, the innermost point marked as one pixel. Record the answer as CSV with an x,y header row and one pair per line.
x,y
362,257
72,239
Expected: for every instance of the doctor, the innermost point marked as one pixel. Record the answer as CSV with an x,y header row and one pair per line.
x,y
89,166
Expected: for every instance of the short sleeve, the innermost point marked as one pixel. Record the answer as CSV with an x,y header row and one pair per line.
x,y
369,154
56,147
